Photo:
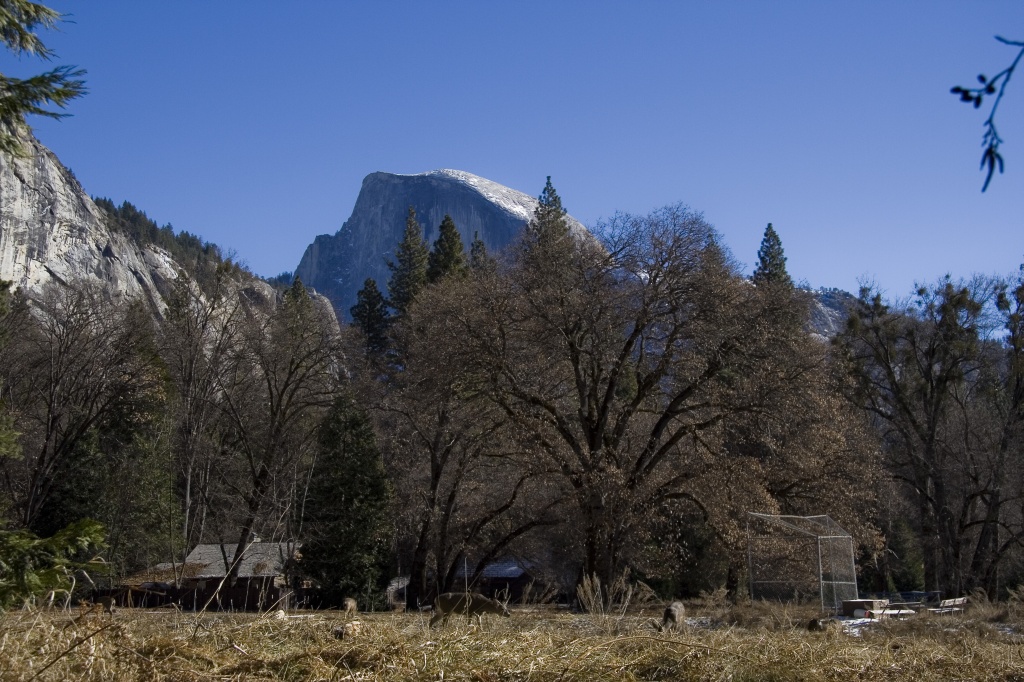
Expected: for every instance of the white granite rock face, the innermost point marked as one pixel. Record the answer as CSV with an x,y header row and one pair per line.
x,y
51,231
337,265
829,310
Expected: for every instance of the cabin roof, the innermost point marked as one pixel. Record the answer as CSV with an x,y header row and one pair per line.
x,y
259,560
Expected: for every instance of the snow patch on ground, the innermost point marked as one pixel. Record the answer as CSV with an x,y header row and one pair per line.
x,y
855,626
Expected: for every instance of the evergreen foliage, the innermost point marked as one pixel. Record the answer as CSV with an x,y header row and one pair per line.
x,y
549,223
119,474
409,270
548,249
296,298
348,509
479,259
771,261
32,567
370,314
19,97
200,258
448,257
282,281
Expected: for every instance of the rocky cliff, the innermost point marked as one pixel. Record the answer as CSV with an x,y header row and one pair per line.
x,y
337,265
51,231
829,311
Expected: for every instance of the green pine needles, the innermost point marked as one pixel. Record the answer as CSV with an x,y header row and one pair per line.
x,y
771,261
409,270
20,97
549,222
349,506
33,567
370,314
448,256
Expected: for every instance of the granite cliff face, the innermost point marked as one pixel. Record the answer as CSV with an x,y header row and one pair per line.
x,y
338,265
829,311
51,231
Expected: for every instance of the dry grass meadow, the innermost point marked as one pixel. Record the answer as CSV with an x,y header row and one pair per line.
x,y
720,643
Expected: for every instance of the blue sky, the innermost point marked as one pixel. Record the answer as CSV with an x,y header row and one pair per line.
x,y
253,123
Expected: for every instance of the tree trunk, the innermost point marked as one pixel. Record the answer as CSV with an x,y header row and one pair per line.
x,y
417,589
986,552
929,545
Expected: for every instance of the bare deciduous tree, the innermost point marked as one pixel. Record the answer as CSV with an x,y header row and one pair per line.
x,y
281,377
941,375
468,492
196,338
622,361
78,359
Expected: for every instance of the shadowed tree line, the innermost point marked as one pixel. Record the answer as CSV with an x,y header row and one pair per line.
x,y
596,405
603,404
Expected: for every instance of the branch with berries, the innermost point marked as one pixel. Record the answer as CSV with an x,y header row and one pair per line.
x,y
989,86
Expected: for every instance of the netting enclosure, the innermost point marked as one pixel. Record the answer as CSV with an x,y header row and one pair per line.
x,y
800,558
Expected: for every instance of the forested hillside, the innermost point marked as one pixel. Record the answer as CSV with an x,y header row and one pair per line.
x,y
197,257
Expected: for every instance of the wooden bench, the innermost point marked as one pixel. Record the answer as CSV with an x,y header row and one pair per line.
x,y
950,606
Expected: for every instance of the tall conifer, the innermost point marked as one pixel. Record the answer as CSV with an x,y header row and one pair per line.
x,y
479,259
370,314
348,540
549,223
771,261
409,271
448,256
548,244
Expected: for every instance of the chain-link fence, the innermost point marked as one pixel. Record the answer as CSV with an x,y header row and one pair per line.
x,y
801,559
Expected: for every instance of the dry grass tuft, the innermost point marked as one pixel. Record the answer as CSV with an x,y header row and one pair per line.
x,y
747,643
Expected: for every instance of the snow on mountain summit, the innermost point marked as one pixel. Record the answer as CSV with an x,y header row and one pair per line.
x,y
338,265
512,200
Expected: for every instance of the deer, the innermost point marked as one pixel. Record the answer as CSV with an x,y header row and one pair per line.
x,y
348,630
350,606
675,616
106,604
471,604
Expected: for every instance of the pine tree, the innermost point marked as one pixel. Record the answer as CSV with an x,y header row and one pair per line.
x,y
370,314
548,244
409,271
448,257
296,294
479,259
549,223
348,542
36,566
771,266
19,97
